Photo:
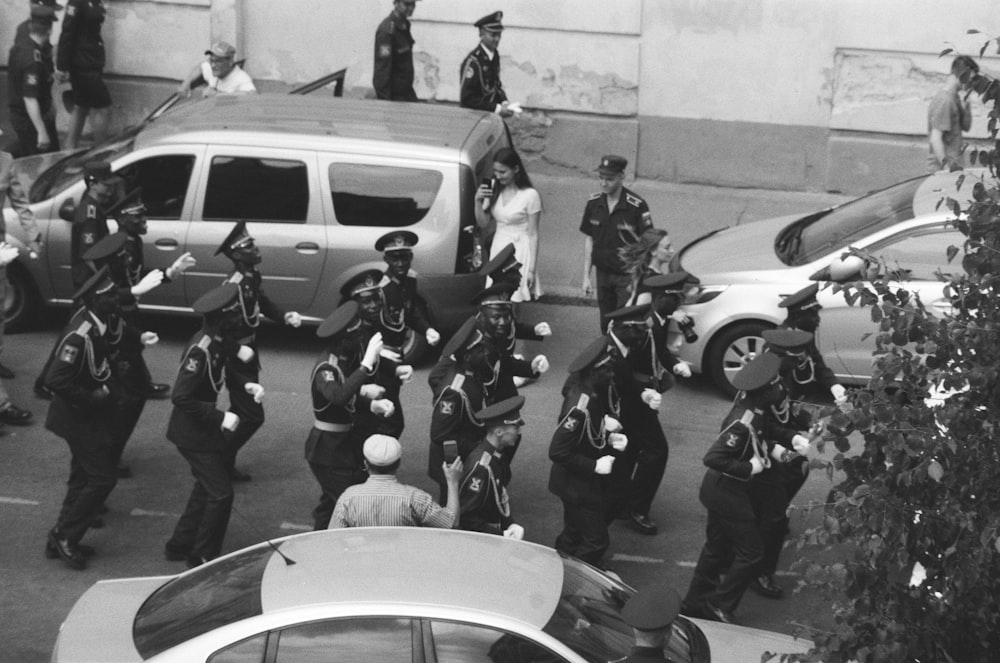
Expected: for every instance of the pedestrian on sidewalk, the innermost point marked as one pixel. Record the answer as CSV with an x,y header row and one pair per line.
x,y
393,77
948,115
80,58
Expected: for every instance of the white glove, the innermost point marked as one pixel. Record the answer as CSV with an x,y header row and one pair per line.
x,y
372,391
652,398
618,441
539,364
383,407
779,454
147,283
682,369
372,351
801,444
515,107
756,466
245,354
230,420
182,264
391,355
543,329
432,336
255,390
515,532
611,425
148,338
8,253
839,394
603,465
404,372
294,319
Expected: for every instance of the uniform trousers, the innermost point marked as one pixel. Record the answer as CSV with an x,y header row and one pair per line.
x,y
250,412
585,532
612,293
787,480
733,549
202,527
134,376
651,462
92,477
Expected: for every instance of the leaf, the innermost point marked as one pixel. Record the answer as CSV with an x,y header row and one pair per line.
x,y
973,31
935,471
946,52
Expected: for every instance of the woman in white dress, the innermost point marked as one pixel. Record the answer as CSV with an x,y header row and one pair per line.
x,y
515,206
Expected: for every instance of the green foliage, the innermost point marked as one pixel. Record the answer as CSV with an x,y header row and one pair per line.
x,y
918,513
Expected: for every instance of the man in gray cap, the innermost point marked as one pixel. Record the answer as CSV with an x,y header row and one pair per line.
x,y
219,72
382,501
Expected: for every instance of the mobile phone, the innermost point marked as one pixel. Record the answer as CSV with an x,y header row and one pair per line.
x,y
450,451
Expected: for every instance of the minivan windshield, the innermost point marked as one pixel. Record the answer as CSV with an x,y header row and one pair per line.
x,y
67,171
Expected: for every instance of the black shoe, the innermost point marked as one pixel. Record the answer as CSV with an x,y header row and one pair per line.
x,y
175,554
643,524
82,548
15,416
690,610
719,615
97,523
767,587
236,475
43,392
124,471
6,373
70,553
158,390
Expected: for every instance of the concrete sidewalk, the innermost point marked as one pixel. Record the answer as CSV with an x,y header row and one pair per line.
x,y
686,211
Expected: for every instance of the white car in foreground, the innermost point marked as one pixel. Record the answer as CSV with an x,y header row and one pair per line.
x,y
391,594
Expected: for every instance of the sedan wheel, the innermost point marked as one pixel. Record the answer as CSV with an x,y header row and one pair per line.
x,y
732,350
21,305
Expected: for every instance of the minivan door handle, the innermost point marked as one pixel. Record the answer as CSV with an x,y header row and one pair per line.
x,y
166,244
307,248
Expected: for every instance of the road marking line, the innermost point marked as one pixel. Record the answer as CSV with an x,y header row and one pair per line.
x,y
620,557
18,500
153,514
296,527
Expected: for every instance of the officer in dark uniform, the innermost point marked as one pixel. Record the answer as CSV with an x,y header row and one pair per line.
x,y
481,88
243,358
80,378
393,77
811,375
344,371
612,219
651,613
29,84
733,550
405,309
197,427
483,490
51,9
80,57
583,450
90,219
468,390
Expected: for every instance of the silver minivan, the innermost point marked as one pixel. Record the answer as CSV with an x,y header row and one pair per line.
x,y
317,179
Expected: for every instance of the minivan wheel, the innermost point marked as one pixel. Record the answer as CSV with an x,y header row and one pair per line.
x,y
22,303
732,349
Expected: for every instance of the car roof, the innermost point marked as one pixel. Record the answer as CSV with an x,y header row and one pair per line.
x,y
287,120
416,566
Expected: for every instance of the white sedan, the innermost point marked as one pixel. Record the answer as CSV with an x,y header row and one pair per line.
x,y
392,594
747,270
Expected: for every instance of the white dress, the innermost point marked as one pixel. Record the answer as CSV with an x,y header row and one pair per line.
x,y
512,228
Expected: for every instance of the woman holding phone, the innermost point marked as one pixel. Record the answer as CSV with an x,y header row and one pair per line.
x,y
515,207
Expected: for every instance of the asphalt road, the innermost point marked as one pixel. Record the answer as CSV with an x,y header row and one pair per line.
x,y
37,593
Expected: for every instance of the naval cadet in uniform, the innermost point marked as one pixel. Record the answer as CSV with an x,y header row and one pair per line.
x,y
404,308
393,76
811,374
481,88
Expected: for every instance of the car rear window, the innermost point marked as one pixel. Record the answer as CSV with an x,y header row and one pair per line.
x,y
382,196
204,599
252,189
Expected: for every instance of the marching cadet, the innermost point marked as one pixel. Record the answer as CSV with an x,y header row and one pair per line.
x,y
404,307
80,379
340,375
583,451
199,429
243,364
811,371
733,550
379,412
481,88
483,490
468,391
505,268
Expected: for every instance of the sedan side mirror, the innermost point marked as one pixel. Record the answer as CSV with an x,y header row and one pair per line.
x,y
67,210
846,268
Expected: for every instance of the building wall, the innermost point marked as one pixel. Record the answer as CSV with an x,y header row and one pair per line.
x,y
791,94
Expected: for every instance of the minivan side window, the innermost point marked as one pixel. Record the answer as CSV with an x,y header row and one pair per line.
x,y
382,196
273,190
164,181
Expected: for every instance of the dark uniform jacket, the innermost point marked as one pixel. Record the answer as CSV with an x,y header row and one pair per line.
x,y
812,370
195,421
335,385
579,440
454,418
90,225
404,309
365,421
79,370
612,230
80,43
30,74
481,86
485,506
393,77
506,367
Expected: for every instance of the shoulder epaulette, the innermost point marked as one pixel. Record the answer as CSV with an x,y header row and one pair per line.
x,y
595,196
204,342
633,200
334,361
236,278
84,328
485,460
457,382
582,403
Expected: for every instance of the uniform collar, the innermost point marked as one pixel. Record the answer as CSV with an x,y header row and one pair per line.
x,y
101,326
622,348
489,53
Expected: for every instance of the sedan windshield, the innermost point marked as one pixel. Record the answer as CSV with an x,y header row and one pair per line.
x,y
819,234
